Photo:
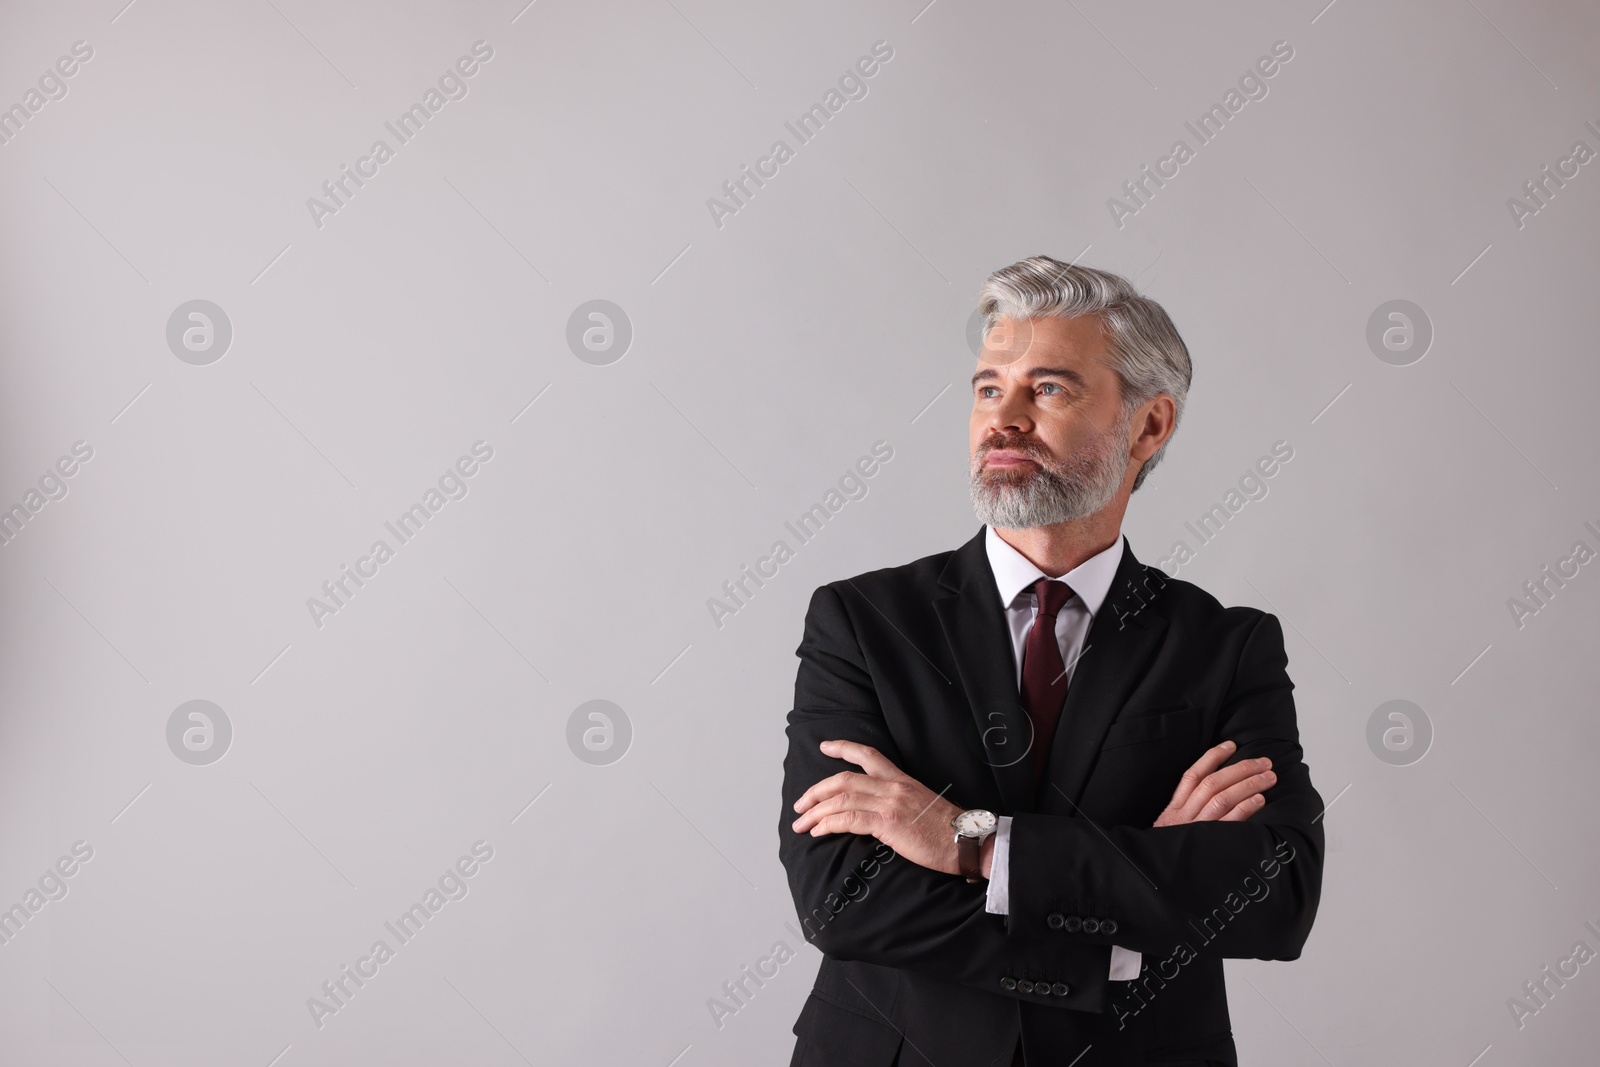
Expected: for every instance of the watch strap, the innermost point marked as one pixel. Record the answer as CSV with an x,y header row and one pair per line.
x,y
968,851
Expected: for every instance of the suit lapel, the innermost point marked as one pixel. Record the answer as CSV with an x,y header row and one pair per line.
x,y
974,624
1121,640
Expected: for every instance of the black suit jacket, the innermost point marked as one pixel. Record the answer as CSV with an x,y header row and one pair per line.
x,y
917,662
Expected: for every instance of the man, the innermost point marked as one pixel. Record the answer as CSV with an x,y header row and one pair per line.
x,y
1036,791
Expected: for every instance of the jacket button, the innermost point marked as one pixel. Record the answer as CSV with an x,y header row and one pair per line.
x,y
1024,986
1008,983
1108,926
1073,924
1055,919
1091,925
1060,989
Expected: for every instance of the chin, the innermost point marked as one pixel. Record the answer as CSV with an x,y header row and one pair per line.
x,y
1018,475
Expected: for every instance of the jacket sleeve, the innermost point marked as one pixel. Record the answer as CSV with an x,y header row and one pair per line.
x,y
1234,889
856,899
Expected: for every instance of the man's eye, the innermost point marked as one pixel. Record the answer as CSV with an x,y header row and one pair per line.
x,y
1050,385
983,391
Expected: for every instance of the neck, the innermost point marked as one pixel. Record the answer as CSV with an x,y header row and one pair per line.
x,y
1059,548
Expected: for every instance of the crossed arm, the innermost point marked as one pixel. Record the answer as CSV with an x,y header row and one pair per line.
x,y
1159,881
890,805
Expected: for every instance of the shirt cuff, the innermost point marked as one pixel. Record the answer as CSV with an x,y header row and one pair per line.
x,y
998,900
1124,964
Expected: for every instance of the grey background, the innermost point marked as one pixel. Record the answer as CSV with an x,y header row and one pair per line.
x,y
768,354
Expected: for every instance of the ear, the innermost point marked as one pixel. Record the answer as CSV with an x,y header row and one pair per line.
x,y
1152,423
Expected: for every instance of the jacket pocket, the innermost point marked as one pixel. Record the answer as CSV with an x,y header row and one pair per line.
x,y
847,1034
1181,722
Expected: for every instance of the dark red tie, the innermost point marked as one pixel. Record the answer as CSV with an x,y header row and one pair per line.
x,y
1044,676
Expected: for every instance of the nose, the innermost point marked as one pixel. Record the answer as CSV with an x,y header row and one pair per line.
x,y
1012,415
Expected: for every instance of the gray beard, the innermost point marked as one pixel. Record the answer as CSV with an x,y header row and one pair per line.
x,y
1053,492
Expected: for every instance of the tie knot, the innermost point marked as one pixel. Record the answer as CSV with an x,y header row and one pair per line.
x,y
1051,595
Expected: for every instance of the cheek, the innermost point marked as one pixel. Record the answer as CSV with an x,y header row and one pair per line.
x,y
1089,425
1064,435
1076,448
977,430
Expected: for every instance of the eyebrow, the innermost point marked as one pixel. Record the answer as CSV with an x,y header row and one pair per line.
x,y
1034,374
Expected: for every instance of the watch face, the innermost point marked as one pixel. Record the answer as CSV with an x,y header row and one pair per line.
x,y
975,823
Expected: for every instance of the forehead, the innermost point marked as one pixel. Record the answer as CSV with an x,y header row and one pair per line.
x,y
1020,345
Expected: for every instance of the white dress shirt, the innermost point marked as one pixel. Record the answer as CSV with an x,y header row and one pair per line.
x,y
1090,581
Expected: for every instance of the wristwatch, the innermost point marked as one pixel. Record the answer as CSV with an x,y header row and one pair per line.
x,y
971,827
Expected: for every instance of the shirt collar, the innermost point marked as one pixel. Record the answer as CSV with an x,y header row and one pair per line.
x,y
1014,573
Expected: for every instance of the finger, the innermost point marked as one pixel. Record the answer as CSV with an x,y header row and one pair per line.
x,y
1245,808
1225,801
845,822
1213,758
866,757
826,788
1215,784
1218,781
850,800
1170,817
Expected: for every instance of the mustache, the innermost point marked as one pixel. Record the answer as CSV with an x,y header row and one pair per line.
x,y
1027,446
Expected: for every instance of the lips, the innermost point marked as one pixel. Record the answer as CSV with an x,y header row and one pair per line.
x,y
1007,457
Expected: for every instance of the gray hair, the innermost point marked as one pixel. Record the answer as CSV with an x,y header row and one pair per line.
x,y
1148,356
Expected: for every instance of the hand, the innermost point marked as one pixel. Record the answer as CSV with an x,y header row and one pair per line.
x,y
884,803
1206,794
